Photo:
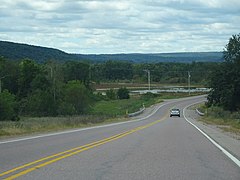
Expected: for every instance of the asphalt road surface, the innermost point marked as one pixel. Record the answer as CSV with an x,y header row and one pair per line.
x,y
157,147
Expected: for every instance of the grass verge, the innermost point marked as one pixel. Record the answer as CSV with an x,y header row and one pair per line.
x,y
103,112
30,125
225,120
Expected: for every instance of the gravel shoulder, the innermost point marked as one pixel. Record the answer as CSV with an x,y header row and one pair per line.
x,y
229,141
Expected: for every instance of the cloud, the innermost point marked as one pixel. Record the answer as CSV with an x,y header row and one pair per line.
x,y
115,26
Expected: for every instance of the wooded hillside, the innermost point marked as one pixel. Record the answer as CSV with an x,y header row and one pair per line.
x,y
16,51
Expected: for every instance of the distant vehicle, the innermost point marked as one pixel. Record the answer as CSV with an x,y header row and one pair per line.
x,y
175,112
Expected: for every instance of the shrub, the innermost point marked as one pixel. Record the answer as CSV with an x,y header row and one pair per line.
x,y
123,93
111,94
7,106
40,103
66,109
77,95
148,95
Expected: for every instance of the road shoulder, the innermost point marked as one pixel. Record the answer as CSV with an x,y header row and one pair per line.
x,y
229,141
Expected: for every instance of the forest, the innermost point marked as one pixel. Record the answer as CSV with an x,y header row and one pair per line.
x,y
17,51
55,88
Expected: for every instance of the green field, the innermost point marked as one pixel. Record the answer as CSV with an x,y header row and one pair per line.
x,y
122,107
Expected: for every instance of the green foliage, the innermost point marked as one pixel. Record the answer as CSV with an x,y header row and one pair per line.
x,y
16,51
120,107
66,108
28,70
160,72
77,96
76,71
218,116
123,93
225,81
7,106
232,51
9,74
116,107
118,70
53,88
149,95
40,103
40,82
111,94
29,125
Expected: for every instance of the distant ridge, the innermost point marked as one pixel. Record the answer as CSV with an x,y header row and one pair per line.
x,y
17,51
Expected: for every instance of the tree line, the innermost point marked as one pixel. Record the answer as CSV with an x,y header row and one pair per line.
x,y
225,80
50,89
17,51
160,72
65,88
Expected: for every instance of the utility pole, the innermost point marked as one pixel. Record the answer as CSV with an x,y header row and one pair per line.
x,y
149,79
189,81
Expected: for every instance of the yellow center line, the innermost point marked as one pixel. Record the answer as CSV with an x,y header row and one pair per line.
x,y
55,155
62,155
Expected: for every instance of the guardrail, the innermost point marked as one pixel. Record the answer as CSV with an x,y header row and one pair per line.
x,y
136,113
200,113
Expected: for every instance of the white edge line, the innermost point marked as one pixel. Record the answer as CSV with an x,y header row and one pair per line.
x,y
83,129
228,154
96,127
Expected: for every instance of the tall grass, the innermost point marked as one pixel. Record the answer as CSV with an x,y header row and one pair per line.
x,y
102,112
45,124
228,121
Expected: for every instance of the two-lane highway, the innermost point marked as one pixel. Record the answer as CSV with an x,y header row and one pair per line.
x,y
155,147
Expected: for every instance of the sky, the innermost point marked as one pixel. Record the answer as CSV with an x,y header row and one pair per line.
x,y
121,26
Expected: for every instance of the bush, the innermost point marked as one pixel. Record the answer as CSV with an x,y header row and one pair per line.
x,y
7,106
40,103
123,93
66,109
148,95
78,96
111,94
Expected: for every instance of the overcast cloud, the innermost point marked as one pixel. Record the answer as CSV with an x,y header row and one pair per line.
x,y
119,26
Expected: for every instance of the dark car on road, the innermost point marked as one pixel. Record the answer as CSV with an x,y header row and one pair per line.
x,y
175,112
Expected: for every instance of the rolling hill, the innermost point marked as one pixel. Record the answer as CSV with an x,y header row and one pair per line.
x,y
17,51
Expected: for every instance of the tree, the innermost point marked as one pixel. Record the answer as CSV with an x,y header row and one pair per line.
x,y
123,93
118,70
9,75
28,70
55,76
40,103
77,71
225,81
77,96
7,106
232,50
